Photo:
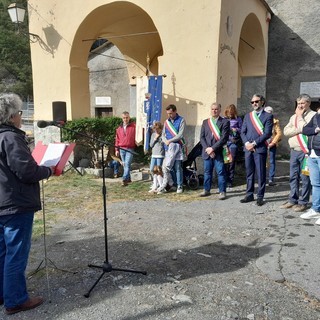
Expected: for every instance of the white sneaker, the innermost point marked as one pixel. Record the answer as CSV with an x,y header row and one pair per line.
x,y
152,191
179,190
318,222
310,214
161,190
222,195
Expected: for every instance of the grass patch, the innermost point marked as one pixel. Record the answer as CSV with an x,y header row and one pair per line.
x,y
78,197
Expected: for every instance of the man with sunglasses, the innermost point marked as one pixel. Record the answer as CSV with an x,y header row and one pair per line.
x,y
256,130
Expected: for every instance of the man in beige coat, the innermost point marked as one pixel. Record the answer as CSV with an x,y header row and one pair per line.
x,y
298,151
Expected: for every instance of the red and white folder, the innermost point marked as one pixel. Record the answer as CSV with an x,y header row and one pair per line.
x,y
54,154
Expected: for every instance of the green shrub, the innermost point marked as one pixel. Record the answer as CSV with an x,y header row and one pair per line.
x,y
93,132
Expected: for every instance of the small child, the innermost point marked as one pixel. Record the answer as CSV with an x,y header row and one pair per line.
x,y
157,179
156,145
167,165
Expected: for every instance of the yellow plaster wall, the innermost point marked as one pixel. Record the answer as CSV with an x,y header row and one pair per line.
x,y
188,31
229,77
189,34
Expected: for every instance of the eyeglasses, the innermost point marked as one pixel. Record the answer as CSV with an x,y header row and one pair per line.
x,y
20,112
256,101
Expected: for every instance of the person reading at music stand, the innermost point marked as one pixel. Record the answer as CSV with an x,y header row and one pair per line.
x,y
19,199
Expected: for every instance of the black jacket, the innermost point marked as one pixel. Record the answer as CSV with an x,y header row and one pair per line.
x,y
19,173
313,138
207,139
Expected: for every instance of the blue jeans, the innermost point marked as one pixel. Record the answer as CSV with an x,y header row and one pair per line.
x,y
209,165
126,158
178,172
272,163
15,243
114,164
296,161
314,167
155,162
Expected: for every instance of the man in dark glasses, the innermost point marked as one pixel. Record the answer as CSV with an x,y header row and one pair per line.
x,y
256,130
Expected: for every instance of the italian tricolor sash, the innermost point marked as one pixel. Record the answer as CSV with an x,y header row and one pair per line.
x,y
257,124
302,139
227,158
174,132
305,169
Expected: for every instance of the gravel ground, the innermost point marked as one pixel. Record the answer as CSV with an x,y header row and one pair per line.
x,y
200,258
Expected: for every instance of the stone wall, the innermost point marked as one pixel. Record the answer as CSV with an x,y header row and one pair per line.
x,y
293,57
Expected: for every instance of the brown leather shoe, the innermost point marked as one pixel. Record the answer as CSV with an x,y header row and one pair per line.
x,y
299,208
29,304
287,205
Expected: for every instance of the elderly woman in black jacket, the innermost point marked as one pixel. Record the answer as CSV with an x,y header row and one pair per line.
x,y
19,199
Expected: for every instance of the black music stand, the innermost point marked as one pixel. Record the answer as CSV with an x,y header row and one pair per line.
x,y
44,264
72,166
106,265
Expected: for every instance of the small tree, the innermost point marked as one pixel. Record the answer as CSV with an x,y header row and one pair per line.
x,y
90,132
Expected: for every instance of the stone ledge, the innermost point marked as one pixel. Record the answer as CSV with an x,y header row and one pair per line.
x,y
136,175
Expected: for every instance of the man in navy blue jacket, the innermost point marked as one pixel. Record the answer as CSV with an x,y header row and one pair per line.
x,y
256,130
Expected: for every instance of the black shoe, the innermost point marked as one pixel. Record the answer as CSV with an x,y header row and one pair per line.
x,y
271,184
247,199
259,202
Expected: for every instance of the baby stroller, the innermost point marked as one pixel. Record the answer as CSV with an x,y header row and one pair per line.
x,y
190,176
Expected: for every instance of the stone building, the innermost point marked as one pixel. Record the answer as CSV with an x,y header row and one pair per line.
x,y
206,48
293,57
222,50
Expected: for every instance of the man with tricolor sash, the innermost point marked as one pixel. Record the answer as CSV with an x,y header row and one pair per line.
x,y
213,138
175,145
298,153
256,130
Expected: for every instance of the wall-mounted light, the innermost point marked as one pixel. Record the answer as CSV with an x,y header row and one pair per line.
x,y
17,14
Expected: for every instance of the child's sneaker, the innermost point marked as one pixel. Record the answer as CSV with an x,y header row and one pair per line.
x,y
161,190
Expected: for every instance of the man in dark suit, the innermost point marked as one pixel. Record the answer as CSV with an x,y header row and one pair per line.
x,y
256,130
214,135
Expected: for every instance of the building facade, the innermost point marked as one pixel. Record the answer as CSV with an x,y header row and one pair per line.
x,y
205,48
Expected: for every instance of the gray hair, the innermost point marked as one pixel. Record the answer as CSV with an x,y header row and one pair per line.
x,y
216,104
10,105
304,97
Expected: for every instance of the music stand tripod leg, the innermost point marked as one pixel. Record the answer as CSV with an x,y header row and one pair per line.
x,y
107,267
74,167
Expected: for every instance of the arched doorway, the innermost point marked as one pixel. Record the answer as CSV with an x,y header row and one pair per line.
x,y
130,29
252,61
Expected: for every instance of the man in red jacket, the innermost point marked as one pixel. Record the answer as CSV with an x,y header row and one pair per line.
x,y
125,139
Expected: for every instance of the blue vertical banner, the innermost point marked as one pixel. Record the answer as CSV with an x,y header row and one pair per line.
x,y
152,106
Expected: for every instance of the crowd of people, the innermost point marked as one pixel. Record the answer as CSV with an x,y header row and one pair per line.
x,y
220,138
258,133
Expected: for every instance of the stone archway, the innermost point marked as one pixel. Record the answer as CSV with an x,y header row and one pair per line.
x,y
252,61
130,29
